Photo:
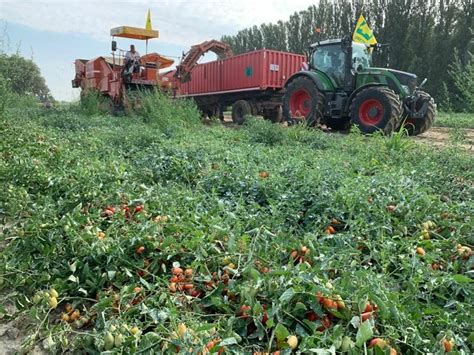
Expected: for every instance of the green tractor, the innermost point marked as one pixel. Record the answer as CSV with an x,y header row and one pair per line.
x,y
341,88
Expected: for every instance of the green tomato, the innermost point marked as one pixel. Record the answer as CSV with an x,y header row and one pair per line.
x,y
118,340
37,298
53,293
108,341
347,344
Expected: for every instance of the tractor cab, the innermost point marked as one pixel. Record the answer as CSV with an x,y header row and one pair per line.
x,y
339,59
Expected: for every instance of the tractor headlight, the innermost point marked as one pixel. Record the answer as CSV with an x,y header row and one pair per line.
x,y
406,89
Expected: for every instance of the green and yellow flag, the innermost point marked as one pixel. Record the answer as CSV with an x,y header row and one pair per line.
x,y
148,21
363,33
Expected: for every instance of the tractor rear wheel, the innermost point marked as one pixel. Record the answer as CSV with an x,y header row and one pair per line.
x,y
416,126
376,109
240,109
303,102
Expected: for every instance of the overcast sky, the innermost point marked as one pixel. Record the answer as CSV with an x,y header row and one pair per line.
x,y
56,32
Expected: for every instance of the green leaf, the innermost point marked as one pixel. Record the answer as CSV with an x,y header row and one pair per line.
x,y
252,273
73,278
287,296
364,333
461,279
146,284
270,323
281,332
228,341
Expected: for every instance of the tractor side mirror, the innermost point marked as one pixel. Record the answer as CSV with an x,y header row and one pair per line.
x,y
114,46
423,83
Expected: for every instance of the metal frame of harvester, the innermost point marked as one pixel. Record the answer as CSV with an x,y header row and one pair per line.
x,y
107,74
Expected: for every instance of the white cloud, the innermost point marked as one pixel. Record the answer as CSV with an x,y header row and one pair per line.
x,y
180,22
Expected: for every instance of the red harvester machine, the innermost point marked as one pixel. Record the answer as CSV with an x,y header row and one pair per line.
x,y
107,74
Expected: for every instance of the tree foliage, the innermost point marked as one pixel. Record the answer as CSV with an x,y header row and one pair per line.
x,y
424,36
463,79
24,76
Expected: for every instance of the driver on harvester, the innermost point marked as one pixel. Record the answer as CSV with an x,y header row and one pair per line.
x,y
132,61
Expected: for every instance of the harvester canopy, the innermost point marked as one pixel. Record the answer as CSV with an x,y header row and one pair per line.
x,y
157,58
134,33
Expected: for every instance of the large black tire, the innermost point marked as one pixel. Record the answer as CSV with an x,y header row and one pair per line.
x,y
303,102
240,109
416,126
275,115
375,109
254,108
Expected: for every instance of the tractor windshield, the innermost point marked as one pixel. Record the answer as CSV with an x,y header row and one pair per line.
x,y
361,56
329,58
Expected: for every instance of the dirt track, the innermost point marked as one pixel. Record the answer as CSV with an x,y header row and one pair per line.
x,y
442,136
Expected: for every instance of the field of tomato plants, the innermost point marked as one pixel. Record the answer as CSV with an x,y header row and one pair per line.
x,y
157,233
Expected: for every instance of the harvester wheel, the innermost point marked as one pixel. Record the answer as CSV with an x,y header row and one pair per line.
x,y
416,126
376,109
303,102
240,109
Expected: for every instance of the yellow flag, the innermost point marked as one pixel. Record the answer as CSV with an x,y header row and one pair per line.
x,y
363,33
148,21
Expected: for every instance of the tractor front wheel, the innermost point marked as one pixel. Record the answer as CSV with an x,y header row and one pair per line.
x,y
419,125
303,102
376,109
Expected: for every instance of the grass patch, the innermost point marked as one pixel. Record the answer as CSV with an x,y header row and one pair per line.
x,y
455,120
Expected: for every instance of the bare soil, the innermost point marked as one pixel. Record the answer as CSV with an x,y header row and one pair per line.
x,y
442,136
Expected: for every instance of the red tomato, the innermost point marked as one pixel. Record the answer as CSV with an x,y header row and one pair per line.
x,y
311,316
366,316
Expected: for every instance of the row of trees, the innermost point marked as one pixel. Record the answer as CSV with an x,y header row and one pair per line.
x,y
432,38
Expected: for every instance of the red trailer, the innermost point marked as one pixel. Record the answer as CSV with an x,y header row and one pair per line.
x,y
251,82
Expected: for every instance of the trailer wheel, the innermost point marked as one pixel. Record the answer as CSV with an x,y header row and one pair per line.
x,y
254,108
275,115
240,109
303,102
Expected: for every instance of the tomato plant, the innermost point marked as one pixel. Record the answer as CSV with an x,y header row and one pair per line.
x,y
160,233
